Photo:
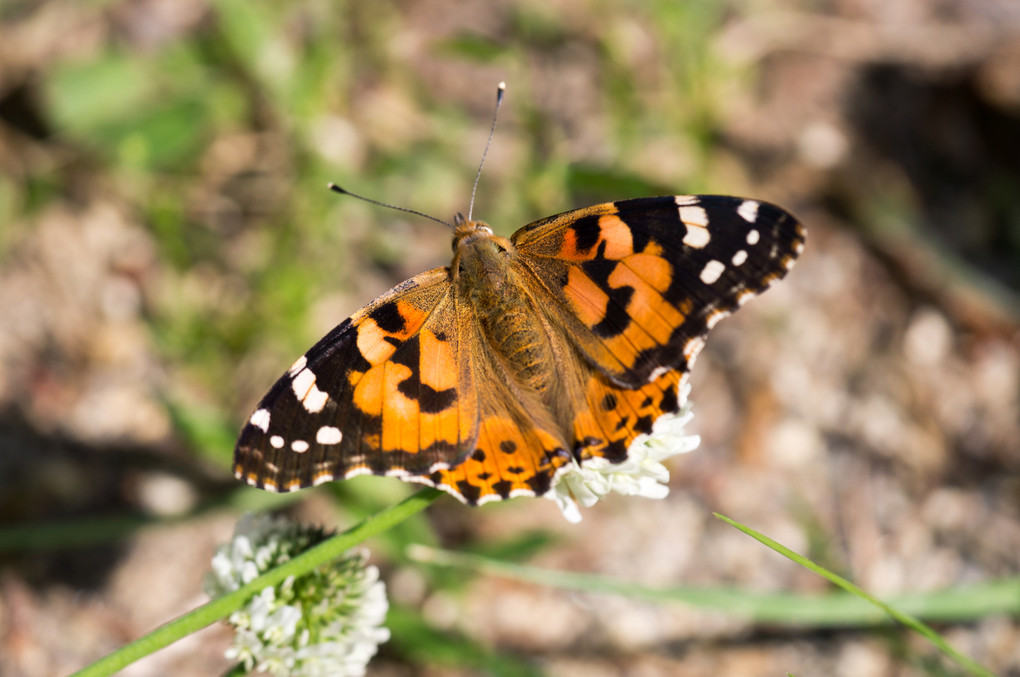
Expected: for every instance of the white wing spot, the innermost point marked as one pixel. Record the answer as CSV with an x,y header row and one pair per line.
x,y
693,215
300,446
513,494
298,365
714,318
303,381
753,236
270,485
311,397
744,296
260,419
684,200
276,442
748,210
692,348
657,372
739,257
322,479
696,236
712,271
315,400
327,434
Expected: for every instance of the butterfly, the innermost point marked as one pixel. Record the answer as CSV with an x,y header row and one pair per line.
x,y
560,344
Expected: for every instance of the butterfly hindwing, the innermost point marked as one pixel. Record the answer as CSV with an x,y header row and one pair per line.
x,y
512,457
612,417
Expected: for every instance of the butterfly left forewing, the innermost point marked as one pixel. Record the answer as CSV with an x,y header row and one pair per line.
x,y
389,392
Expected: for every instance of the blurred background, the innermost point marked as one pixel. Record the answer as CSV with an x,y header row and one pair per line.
x,y
168,247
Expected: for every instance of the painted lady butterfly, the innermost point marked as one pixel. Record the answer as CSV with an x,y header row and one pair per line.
x,y
566,341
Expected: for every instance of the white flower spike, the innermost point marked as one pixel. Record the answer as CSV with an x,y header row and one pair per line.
x,y
325,623
642,474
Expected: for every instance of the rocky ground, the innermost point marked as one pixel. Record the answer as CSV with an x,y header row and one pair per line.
x,y
866,411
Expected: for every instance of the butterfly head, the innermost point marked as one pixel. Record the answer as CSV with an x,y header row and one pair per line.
x,y
477,252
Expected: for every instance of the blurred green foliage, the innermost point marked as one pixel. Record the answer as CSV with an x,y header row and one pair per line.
x,y
221,136
260,238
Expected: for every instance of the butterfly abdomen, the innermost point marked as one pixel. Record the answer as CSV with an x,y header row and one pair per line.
x,y
521,344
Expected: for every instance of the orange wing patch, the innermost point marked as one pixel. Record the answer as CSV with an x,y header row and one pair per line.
x,y
603,236
588,301
427,400
380,390
439,373
616,416
650,319
509,460
618,287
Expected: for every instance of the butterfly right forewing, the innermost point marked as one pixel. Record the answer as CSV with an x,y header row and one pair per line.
x,y
639,283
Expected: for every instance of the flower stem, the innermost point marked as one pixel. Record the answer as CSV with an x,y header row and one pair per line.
x,y
219,608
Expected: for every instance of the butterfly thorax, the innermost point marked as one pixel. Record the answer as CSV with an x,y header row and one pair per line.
x,y
485,275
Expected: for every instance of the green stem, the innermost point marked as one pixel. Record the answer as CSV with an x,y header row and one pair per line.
x,y
222,607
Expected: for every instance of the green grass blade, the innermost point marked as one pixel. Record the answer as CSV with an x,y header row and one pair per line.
x,y
904,618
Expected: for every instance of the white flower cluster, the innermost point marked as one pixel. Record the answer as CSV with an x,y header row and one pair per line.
x,y
325,623
642,474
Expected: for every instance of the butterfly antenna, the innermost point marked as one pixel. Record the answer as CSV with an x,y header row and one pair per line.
x,y
343,191
500,88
